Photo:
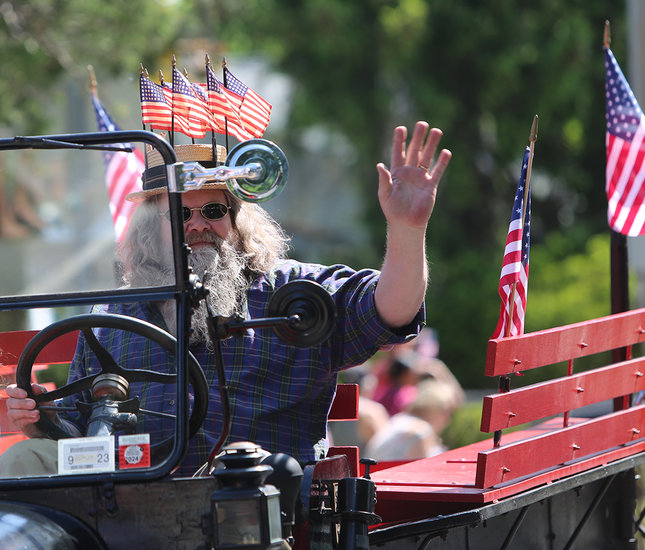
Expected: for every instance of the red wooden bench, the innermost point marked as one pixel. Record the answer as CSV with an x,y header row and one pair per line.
x,y
60,351
542,453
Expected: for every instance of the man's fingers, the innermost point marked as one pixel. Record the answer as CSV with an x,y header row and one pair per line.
x,y
384,180
440,166
416,143
398,147
38,389
421,149
19,402
430,148
22,412
25,404
16,392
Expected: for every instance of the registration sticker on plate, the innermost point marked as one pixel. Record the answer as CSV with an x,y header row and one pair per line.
x,y
134,451
86,455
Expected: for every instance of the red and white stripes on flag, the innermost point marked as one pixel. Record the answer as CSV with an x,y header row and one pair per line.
x,y
156,104
226,114
254,110
625,170
156,108
123,171
514,279
191,102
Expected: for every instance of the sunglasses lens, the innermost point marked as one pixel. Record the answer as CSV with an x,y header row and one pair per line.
x,y
214,211
211,211
186,213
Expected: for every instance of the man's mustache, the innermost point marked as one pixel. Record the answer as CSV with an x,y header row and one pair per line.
x,y
205,236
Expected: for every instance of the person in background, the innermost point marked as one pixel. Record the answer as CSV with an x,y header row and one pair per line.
x,y
415,432
397,373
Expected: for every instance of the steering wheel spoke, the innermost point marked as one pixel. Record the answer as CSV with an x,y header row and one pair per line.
x,y
77,386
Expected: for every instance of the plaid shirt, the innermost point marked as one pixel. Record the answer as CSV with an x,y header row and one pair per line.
x,y
279,395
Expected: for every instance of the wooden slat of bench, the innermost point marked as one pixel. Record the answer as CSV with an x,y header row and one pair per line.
x,y
546,347
522,458
345,404
529,403
60,350
352,455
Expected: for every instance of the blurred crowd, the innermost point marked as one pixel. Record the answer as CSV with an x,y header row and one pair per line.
x,y
407,398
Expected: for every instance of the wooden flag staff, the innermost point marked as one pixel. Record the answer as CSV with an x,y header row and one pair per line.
x,y
619,269
505,381
213,139
225,118
532,140
93,83
172,104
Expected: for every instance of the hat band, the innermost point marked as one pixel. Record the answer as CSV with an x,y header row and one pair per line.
x,y
156,177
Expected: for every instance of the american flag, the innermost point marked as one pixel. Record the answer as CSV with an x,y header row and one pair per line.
x,y
514,279
156,107
625,169
122,173
190,105
254,110
219,102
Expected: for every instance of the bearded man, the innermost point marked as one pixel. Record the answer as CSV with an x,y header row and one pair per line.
x,y
279,395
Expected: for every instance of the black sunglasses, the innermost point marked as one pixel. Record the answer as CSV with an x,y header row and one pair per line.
x,y
211,211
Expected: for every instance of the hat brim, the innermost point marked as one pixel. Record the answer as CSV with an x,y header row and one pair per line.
x,y
154,178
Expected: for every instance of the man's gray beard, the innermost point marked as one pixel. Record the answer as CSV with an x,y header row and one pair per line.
x,y
225,281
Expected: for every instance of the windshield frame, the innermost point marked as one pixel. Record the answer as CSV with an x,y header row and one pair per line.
x,y
182,292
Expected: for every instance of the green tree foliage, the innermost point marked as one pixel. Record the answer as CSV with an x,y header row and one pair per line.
x,y
44,40
464,427
556,273
478,70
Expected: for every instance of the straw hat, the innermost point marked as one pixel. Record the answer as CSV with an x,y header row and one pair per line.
x,y
154,176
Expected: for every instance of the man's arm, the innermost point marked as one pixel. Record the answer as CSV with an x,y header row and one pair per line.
x,y
407,193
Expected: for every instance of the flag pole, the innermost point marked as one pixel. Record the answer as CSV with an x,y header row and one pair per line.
x,y
93,84
225,119
606,35
619,270
142,72
172,105
213,139
186,75
504,380
162,81
532,140
618,242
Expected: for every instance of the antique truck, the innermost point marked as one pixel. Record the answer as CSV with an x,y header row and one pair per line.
x,y
560,481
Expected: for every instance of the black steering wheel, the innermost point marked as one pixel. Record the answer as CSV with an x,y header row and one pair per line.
x,y
85,323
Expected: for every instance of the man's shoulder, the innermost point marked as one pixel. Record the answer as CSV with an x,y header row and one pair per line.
x,y
135,309
288,270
